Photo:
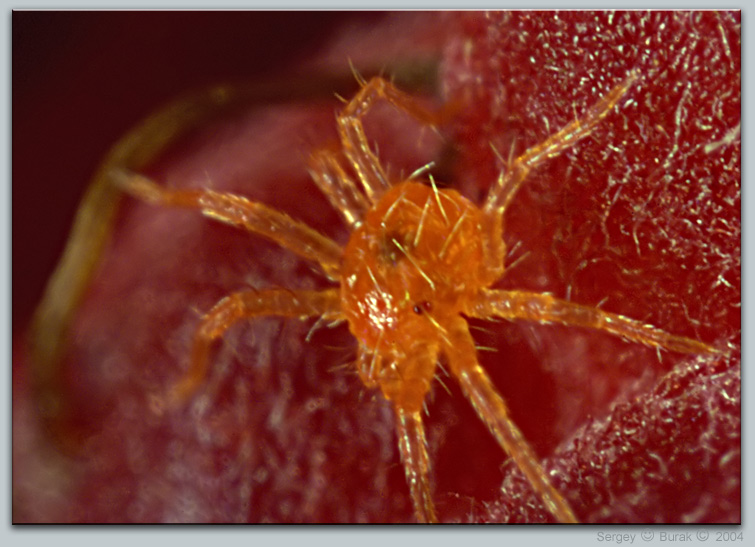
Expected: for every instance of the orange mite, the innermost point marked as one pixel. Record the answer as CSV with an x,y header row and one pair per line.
x,y
419,260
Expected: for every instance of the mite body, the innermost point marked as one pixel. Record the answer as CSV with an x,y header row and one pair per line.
x,y
419,261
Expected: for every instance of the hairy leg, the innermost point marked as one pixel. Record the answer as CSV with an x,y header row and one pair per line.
x,y
355,145
342,192
492,409
239,211
510,180
545,308
245,305
413,447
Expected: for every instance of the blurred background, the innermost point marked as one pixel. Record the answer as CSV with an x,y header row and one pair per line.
x,y
82,79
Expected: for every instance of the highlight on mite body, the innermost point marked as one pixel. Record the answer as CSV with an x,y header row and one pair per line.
x,y
418,261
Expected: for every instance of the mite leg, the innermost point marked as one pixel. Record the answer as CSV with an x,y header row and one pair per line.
x,y
544,308
492,409
355,145
413,447
239,211
342,192
245,305
508,183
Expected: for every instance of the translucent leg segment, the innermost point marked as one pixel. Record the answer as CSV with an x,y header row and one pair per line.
x,y
245,305
239,211
492,410
544,308
508,183
355,145
413,447
342,192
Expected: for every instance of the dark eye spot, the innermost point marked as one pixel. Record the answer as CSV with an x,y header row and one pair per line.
x,y
422,307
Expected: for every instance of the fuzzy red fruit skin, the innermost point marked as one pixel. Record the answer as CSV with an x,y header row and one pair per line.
x,y
284,434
